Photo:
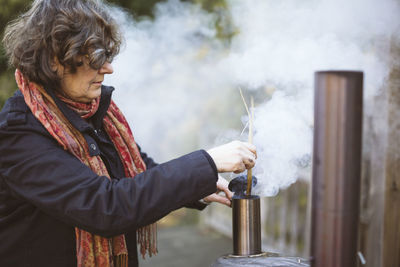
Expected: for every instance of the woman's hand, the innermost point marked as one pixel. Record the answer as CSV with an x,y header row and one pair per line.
x,y
222,186
234,157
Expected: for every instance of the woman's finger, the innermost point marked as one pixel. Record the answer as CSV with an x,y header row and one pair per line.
x,y
235,156
228,193
217,198
222,185
240,167
251,148
249,162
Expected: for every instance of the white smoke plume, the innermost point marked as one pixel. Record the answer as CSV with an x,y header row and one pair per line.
x,y
177,82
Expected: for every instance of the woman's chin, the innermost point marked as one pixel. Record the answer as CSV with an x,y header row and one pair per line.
x,y
94,93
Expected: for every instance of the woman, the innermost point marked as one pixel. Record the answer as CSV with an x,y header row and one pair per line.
x,y
75,189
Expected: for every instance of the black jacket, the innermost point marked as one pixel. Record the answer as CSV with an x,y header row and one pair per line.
x,y
45,191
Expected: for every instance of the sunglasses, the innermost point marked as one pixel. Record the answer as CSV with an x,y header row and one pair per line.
x,y
97,58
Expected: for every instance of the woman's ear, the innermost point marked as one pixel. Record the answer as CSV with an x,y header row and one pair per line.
x,y
57,67
53,64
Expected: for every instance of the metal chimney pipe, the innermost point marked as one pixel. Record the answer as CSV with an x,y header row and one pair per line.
x,y
336,168
246,225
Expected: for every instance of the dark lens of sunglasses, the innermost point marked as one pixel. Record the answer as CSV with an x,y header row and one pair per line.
x,y
99,60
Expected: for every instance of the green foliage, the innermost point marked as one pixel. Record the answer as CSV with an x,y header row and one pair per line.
x,y
137,8
9,10
7,86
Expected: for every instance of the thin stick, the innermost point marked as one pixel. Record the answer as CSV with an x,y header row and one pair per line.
x,y
244,102
249,171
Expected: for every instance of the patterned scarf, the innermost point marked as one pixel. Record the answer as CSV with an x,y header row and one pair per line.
x,y
92,250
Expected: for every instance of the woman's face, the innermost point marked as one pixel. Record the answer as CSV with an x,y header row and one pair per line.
x,y
85,84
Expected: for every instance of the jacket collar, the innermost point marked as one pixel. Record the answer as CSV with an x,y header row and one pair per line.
x,y
79,123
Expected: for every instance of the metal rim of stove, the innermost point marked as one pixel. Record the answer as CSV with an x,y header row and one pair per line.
x,y
263,254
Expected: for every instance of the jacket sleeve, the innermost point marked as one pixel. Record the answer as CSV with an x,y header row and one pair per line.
x,y
38,170
193,205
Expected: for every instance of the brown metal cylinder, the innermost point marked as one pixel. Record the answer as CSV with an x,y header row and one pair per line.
x,y
246,224
336,168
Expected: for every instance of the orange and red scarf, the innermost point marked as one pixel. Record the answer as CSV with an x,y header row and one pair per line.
x,y
92,250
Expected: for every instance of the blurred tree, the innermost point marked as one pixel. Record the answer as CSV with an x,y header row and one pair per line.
x,y
138,7
223,24
10,9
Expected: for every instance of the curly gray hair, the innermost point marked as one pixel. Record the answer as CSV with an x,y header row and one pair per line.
x,y
64,30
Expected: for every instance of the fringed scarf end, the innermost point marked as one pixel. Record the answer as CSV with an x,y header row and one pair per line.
x,y
147,238
121,260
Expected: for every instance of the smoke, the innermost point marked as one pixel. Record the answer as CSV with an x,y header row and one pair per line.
x,y
166,79
281,44
177,82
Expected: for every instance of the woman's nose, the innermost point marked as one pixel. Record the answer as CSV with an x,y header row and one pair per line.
x,y
107,68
